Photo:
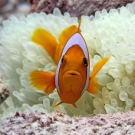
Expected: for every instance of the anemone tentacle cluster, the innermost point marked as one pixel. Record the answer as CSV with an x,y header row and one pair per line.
x,y
106,34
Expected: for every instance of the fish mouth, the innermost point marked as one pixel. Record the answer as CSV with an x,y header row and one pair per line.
x,y
72,80
71,73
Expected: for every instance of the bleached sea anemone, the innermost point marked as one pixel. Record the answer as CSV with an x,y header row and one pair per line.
x,y
106,34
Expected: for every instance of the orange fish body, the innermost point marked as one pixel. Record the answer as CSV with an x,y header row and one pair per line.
x,y
72,57
72,75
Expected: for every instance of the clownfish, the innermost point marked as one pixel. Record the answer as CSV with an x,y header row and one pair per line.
x,y
72,77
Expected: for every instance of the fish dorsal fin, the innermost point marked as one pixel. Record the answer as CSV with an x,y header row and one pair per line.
x,y
43,81
47,41
68,33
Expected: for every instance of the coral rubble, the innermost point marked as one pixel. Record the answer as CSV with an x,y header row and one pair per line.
x,y
4,91
77,8
37,123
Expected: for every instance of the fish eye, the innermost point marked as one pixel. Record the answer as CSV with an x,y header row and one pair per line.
x,y
62,60
85,62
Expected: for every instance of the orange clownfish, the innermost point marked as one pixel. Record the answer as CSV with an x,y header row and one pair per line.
x,y
72,77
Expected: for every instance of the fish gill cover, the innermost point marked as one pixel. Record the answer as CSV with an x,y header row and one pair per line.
x,y
106,34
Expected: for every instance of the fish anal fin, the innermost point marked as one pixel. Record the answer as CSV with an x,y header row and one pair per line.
x,y
43,80
47,41
63,102
98,66
74,105
57,104
93,86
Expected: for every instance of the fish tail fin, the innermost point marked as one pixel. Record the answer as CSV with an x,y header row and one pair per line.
x,y
47,41
98,66
57,104
43,81
93,86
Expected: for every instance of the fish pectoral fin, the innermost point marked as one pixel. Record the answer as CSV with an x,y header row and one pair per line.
x,y
93,86
54,70
98,66
47,41
43,80
57,104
